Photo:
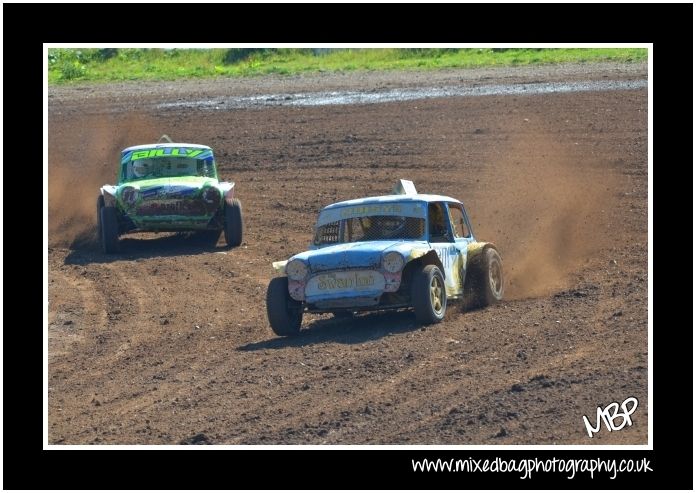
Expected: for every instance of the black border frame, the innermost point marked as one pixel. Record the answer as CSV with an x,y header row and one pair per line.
x,y
669,27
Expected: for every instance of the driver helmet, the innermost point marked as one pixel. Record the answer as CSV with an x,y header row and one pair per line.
x,y
140,169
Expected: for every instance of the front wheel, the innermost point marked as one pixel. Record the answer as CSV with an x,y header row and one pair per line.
x,y
284,313
233,223
100,204
108,227
428,295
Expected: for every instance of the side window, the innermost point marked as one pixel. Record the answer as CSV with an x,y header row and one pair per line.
x,y
458,222
437,223
206,167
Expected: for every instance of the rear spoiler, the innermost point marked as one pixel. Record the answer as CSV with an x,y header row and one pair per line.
x,y
404,187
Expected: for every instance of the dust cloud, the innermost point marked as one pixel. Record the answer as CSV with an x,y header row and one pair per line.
x,y
545,212
77,170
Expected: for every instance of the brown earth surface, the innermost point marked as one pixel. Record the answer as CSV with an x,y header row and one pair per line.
x,y
167,342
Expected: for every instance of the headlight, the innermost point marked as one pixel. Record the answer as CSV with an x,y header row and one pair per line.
x,y
296,270
393,262
129,195
211,195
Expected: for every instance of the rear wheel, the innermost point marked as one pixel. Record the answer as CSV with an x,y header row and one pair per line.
x,y
109,229
495,285
485,284
233,223
284,313
428,295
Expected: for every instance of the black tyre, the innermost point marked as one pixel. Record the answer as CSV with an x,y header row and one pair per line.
x,y
428,295
284,313
100,204
233,223
109,229
485,284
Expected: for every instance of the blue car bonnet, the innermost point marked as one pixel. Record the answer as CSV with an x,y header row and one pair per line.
x,y
361,254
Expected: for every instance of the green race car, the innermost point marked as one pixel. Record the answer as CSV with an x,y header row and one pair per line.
x,y
168,187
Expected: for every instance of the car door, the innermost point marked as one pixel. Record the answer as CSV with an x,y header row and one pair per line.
x,y
441,236
462,237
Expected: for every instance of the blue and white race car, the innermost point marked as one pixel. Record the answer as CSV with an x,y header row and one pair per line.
x,y
406,250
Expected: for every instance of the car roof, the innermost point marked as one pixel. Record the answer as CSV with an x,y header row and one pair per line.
x,y
164,145
419,197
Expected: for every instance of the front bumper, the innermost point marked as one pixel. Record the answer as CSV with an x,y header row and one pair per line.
x,y
345,288
355,302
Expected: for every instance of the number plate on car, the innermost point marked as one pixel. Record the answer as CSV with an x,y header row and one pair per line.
x,y
350,281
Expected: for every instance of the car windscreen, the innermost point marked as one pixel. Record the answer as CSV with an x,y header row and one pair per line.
x,y
170,162
370,228
374,220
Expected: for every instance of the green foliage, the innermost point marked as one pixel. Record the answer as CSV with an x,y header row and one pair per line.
x,y
425,52
235,55
72,70
112,64
131,54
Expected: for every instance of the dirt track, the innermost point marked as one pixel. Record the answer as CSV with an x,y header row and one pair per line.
x,y
168,341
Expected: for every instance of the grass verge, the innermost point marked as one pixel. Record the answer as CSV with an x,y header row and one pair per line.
x,y
123,64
